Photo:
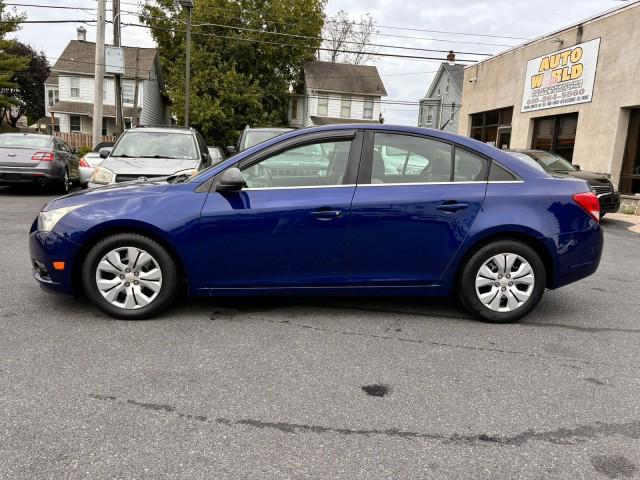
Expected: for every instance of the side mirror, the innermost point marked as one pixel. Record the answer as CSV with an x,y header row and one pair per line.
x,y
230,181
231,149
577,166
104,152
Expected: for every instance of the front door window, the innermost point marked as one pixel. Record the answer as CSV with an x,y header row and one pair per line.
x,y
317,164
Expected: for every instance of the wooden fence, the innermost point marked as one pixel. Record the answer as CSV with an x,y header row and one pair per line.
x,y
80,140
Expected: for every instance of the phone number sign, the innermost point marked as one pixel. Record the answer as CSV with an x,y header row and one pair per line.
x,y
561,78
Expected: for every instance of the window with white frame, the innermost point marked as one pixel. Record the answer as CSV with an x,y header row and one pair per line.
x,y
345,107
294,108
367,108
75,124
127,92
74,84
429,115
323,105
446,88
52,96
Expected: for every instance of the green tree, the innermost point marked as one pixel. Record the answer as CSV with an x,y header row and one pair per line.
x,y
9,63
29,85
237,76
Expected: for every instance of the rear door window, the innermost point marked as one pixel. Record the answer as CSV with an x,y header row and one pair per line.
x,y
399,158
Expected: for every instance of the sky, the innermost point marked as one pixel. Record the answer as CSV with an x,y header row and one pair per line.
x,y
405,80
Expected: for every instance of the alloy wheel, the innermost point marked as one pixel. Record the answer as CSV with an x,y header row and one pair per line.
x,y
129,278
505,282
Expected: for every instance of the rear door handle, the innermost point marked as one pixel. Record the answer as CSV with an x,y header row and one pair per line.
x,y
452,206
325,215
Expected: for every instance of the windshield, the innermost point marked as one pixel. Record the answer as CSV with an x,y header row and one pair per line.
x,y
550,162
156,145
31,141
254,137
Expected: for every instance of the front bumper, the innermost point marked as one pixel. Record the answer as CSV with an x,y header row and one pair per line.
x,y
46,248
610,202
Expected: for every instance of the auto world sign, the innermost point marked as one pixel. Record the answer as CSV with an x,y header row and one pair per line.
x,y
561,78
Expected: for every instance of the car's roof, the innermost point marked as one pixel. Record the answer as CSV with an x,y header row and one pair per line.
x,y
183,130
18,134
269,129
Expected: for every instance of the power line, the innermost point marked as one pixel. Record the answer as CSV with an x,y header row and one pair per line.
x,y
265,32
266,42
129,12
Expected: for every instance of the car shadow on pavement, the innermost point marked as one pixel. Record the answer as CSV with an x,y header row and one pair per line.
x,y
239,307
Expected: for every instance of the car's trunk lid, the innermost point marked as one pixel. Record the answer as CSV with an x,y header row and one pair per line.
x,y
18,157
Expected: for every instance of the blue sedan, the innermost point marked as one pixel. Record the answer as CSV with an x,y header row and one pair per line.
x,y
337,210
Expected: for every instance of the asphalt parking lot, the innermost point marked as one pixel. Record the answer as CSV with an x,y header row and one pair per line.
x,y
273,388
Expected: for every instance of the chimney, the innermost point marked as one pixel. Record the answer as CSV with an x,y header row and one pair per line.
x,y
451,58
82,34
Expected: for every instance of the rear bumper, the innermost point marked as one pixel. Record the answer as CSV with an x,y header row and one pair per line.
x,y
46,248
27,175
578,255
609,203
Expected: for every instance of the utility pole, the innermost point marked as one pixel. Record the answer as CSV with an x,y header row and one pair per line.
x,y
187,5
134,115
99,74
118,78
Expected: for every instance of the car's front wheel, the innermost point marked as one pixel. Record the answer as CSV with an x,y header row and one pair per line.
x,y
130,276
502,281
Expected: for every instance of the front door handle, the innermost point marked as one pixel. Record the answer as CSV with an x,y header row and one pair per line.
x,y
452,206
325,215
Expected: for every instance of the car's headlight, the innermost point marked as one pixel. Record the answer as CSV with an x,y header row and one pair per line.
x,y
188,171
102,175
47,220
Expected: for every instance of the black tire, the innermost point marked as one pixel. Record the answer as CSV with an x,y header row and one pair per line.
x,y
170,283
602,215
84,186
65,184
466,287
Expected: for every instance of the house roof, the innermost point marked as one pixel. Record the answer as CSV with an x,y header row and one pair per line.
x,y
52,79
86,109
79,57
455,72
343,77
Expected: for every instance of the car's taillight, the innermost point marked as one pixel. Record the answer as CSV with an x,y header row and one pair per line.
x,y
83,163
43,157
589,203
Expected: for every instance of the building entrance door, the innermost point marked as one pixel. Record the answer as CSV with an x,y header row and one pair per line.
x,y
630,175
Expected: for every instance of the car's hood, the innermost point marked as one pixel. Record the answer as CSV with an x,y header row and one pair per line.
x,y
583,175
110,192
147,166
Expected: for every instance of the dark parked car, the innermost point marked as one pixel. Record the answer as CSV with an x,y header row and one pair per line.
x,y
472,222
143,153
554,164
43,160
250,137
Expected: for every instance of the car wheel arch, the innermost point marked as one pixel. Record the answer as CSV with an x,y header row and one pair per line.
x,y
533,241
94,236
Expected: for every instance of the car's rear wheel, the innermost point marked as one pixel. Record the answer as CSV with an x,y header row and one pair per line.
x,y
65,184
130,276
502,281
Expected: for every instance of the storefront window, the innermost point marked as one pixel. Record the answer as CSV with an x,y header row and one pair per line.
x,y
485,125
556,134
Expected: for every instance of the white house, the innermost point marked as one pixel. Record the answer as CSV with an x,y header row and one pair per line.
x,y
337,93
440,107
69,89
